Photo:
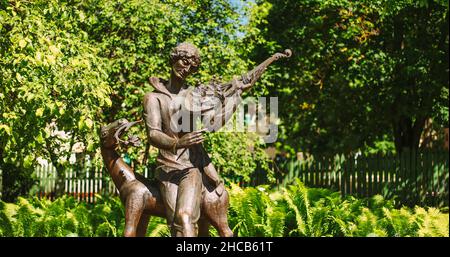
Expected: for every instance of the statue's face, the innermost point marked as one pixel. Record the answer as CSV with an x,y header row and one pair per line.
x,y
184,67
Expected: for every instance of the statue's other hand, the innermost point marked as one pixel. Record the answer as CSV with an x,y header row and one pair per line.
x,y
246,86
190,139
237,83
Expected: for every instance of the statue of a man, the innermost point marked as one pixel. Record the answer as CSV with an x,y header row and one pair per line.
x,y
184,168
182,160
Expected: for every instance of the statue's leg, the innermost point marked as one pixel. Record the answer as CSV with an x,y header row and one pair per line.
x,y
215,201
216,210
134,207
203,227
169,193
142,225
223,203
187,212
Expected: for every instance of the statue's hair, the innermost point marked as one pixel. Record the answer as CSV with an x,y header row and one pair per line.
x,y
185,50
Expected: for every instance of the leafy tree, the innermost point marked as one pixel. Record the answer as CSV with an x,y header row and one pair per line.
x,y
52,81
69,67
362,71
237,155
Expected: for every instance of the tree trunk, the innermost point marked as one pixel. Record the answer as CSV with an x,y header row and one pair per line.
x,y
407,133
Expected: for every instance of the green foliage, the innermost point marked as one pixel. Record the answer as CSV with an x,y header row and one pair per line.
x,y
431,222
254,213
292,211
52,78
383,146
66,217
361,71
237,155
16,180
314,212
53,81
69,67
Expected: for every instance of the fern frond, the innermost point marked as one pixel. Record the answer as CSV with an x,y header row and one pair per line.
x,y
301,224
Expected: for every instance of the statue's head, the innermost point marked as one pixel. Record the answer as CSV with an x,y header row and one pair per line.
x,y
185,60
107,133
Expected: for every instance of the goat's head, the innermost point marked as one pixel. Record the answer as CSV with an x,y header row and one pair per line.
x,y
110,134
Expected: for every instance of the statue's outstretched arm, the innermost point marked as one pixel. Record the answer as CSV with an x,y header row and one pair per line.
x,y
247,80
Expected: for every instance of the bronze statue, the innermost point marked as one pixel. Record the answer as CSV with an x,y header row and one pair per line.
x,y
182,159
142,198
189,192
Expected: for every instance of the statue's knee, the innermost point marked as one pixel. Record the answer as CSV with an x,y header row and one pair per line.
x,y
195,175
129,232
228,233
183,217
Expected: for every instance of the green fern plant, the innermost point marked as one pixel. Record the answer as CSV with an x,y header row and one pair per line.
x,y
294,210
400,222
157,227
432,222
254,213
317,212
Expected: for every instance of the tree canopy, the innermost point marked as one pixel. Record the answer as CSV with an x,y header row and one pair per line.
x,y
362,71
70,66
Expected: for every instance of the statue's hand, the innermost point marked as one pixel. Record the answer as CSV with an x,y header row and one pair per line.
x,y
191,139
237,83
245,87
